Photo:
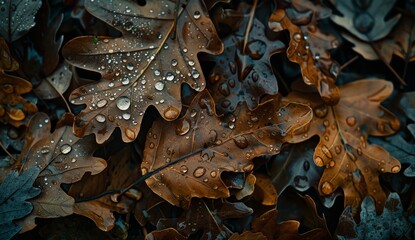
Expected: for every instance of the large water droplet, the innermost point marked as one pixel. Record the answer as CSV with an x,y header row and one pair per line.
x,y
65,149
319,161
101,103
196,15
130,134
395,169
159,86
171,113
169,76
327,188
200,171
183,126
100,118
195,74
130,66
183,169
125,81
123,103
213,174
157,72
241,142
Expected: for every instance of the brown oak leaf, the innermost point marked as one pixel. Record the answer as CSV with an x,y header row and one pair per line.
x,y
146,66
308,48
244,75
191,153
14,109
350,162
61,158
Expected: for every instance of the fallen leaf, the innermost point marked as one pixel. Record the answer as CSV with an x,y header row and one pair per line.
x,y
244,74
248,188
391,224
15,191
18,17
146,66
168,233
365,20
264,191
350,162
14,109
190,154
247,235
55,85
62,158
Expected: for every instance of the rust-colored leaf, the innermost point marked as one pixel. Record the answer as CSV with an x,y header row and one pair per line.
x,y
244,74
146,66
61,158
14,109
308,48
264,191
196,149
247,235
350,162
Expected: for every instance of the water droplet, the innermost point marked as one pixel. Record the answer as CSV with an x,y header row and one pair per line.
x,y
65,149
297,37
130,66
332,163
241,142
196,15
351,121
395,169
123,103
130,134
73,160
111,84
213,174
126,116
321,111
191,63
151,146
183,126
45,150
101,103
100,118
144,171
200,171
232,67
319,161
338,149
157,72
171,113
114,197
326,151
195,74
255,76
231,125
169,76
326,123
159,86
327,188
125,81
174,62
183,169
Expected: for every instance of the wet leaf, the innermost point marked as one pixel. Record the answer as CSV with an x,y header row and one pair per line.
x,y
14,109
244,74
308,48
207,216
365,19
350,162
62,158
391,224
196,149
15,191
17,18
146,66
56,84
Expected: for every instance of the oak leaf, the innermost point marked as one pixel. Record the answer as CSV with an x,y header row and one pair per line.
x,y
61,158
14,109
350,162
146,66
15,191
190,154
308,48
243,72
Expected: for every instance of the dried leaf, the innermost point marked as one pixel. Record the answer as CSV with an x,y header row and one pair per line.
x,y
306,53
62,158
208,216
350,163
365,20
265,192
168,234
14,109
196,149
248,188
17,18
56,84
391,224
15,191
244,75
146,66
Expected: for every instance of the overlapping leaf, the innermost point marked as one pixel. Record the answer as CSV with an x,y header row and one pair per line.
x,y
14,109
308,48
197,148
146,66
243,72
17,17
350,163
15,191
62,158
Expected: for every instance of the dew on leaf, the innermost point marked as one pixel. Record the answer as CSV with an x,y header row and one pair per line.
x,y
65,149
200,171
123,103
100,118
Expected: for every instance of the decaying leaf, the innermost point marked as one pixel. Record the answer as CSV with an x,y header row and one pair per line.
x,y
264,191
146,66
15,192
391,224
306,50
62,158
350,163
207,216
243,72
14,109
17,17
196,149
365,19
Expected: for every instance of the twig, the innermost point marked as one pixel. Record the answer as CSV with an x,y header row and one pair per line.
x,y
248,27
7,152
348,63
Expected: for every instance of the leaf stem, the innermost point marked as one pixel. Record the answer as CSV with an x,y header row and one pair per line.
x,y
348,63
7,152
387,64
248,27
